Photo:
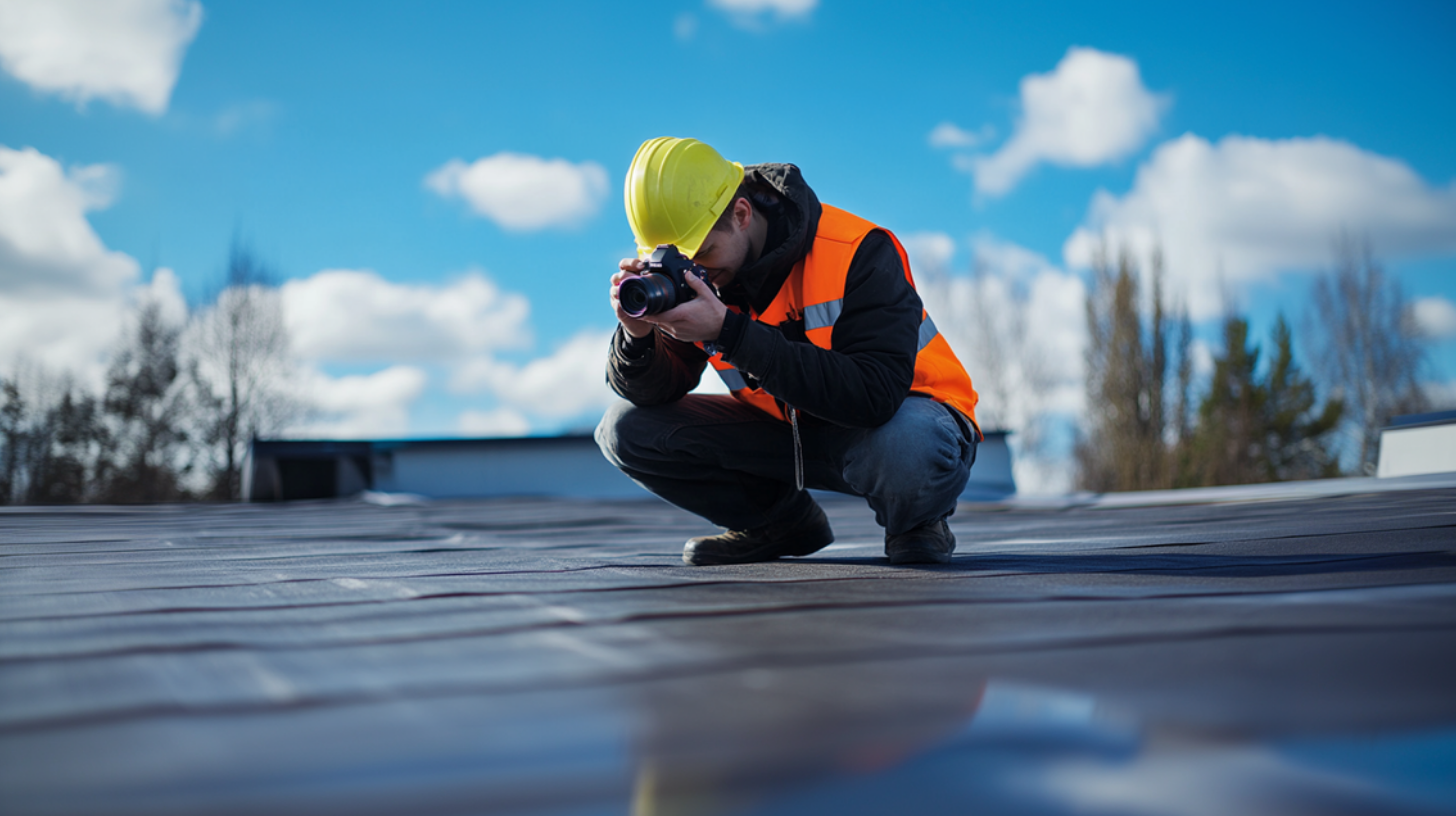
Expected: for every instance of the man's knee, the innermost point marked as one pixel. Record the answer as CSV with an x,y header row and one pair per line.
x,y
627,433
921,444
612,430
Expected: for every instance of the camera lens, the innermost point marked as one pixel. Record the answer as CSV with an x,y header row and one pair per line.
x,y
646,294
633,297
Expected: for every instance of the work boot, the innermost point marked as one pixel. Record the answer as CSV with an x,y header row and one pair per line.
x,y
807,532
930,543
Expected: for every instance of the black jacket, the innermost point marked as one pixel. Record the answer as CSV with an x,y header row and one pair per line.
x,y
860,381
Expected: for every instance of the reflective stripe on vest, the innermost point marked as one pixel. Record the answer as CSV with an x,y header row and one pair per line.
x,y
822,315
927,332
732,378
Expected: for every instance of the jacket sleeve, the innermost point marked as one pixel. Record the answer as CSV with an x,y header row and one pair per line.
x,y
653,370
866,374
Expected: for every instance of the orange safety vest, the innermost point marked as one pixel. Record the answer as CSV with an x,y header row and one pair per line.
x,y
814,291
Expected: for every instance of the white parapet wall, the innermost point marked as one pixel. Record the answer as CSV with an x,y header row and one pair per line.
x,y
1417,444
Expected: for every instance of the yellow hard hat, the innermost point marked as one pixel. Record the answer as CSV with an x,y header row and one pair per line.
x,y
676,189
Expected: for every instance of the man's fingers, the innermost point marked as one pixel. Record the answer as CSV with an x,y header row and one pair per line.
x,y
700,286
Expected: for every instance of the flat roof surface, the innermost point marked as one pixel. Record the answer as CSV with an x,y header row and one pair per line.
x,y
555,657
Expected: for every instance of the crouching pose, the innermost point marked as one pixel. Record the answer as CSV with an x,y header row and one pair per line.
x,y
838,378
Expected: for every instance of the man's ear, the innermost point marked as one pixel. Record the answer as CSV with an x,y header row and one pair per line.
x,y
742,214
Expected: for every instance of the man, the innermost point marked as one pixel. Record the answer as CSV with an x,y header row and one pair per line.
x,y
838,379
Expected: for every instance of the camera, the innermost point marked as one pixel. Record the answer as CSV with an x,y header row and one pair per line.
x,y
662,285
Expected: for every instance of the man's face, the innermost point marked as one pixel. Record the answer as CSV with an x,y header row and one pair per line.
x,y
723,253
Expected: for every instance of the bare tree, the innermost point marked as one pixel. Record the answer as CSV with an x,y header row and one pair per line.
x,y
241,367
1011,365
1366,351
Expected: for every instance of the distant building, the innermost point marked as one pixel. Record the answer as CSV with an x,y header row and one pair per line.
x,y
572,465
1418,443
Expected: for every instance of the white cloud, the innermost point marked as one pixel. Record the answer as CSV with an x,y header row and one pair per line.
x,y
126,52
46,243
350,315
930,254
1009,260
165,290
346,316
1091,109
74,334
62,333
1435,317
64,296
1245,208
569,382
948,134
360,406
751,10
521,192
500,422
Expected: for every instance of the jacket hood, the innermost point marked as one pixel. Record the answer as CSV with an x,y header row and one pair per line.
x,y
797,215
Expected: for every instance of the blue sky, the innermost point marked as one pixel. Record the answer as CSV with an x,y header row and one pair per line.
x,y
313,130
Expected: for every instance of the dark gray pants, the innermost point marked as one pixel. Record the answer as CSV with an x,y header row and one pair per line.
x,y
734,465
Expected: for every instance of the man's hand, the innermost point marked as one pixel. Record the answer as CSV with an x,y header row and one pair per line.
x,y
633,326
697,321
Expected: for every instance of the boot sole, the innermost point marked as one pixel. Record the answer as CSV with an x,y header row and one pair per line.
x,y
905,557
759,556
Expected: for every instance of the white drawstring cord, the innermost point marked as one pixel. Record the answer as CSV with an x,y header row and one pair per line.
x,y
798,449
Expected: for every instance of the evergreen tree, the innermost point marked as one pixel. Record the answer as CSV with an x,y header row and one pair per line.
x,y
1254,429
1298,443
66,468
13,440
1225,447
146,404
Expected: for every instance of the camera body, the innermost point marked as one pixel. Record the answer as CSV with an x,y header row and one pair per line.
x,y
662,285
